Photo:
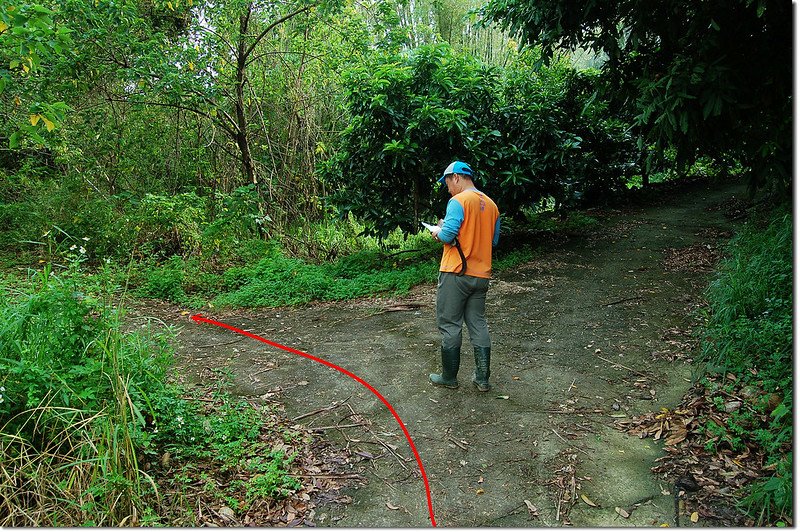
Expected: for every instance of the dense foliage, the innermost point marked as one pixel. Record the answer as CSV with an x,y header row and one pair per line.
x,y
710,78
274,153
531,136
86,408
750,336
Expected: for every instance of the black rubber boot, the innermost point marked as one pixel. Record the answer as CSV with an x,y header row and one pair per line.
x,y
451,360
481,376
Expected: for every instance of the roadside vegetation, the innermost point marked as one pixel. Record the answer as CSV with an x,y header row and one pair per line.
x,y
749,337
95,430
238,154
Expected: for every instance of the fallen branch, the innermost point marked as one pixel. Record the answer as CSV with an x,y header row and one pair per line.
x,y
338,426
570,443
263,371
621,301
624,367
507,513
312,475
457,443
333,406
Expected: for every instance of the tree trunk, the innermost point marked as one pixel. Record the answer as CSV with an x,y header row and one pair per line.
x,y
242,139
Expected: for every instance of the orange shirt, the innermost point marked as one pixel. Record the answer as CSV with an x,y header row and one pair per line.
x,y
476,233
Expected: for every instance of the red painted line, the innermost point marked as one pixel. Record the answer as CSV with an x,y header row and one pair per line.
x,y
198,318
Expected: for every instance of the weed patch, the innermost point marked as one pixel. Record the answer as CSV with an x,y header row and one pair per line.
x,y
94,431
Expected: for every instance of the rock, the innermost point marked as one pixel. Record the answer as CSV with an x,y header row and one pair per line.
x,y
732,406
226,513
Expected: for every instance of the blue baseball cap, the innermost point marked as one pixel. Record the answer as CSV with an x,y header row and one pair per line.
x,y
456,167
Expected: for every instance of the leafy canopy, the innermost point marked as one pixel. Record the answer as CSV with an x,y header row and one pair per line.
x,y
711,78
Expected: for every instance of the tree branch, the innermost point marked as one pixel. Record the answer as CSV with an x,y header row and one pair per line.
x,y
273,25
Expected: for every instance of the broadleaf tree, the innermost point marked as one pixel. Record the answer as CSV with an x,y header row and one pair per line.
x,y
711,78
529,135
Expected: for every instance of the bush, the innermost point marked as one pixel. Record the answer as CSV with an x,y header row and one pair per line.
x,y
530,134
278,280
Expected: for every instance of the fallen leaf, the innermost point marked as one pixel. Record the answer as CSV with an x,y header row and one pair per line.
x,y
502,397
694,517
480,480
677,436
587,500
622,512
531,508
302,383
479,491
391,506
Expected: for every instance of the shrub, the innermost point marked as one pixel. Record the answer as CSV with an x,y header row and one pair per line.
x,y
530,134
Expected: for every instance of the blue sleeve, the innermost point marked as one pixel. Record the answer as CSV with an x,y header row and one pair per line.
x,y
453,218
496,237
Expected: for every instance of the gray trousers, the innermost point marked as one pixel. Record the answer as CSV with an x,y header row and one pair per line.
x,y
458,300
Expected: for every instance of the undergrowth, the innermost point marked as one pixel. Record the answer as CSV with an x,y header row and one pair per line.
x,y
278,279
89,416
749,335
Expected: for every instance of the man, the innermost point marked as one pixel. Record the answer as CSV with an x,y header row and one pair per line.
x,y
470,229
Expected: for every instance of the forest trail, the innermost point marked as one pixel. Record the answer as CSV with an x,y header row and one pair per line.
x,y
592,332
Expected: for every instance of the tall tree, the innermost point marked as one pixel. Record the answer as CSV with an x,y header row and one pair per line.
x,y
711,77
30,38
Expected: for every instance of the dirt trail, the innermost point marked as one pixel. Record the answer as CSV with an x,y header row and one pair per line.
x,y
584,336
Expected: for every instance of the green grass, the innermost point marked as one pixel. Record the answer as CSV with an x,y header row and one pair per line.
x,y
86,407
277,279
749,334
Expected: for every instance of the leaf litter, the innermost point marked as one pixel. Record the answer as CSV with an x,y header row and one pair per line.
x,y
322,469
692,451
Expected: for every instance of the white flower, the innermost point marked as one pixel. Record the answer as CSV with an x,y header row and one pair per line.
x,y
2,388
1,399
82,250
85,239
179,419
72,247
